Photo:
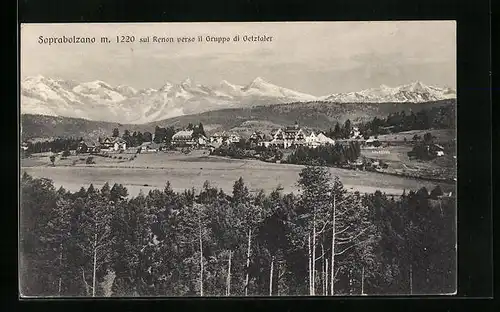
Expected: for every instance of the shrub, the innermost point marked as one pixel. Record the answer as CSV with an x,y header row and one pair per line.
x,y
90,160
428,137
437,191
66,153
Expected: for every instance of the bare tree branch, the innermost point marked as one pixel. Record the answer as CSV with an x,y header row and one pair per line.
x,y
322,255
345,200
102,238
342,231
352,237
342,243
334,276
87,286
188,241
281,275
350,247
85,249
323,228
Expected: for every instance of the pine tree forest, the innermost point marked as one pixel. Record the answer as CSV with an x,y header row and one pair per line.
x,y
323,241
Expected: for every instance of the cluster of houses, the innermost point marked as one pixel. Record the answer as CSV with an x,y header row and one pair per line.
x,y
106,144
185,138
281,138
290,137
285,137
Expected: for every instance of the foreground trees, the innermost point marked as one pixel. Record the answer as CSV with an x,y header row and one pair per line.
x,y
323,241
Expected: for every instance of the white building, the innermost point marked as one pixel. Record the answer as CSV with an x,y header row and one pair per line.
x,y
150,147
323,139
224,137
119,144
202,140
216,138
355,133
288,137
232,138
183,138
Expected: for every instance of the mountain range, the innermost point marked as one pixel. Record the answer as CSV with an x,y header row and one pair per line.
x,y
99,101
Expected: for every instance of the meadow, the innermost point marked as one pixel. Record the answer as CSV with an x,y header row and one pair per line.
x,y
441,135
152,171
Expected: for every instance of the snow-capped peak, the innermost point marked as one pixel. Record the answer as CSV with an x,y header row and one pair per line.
x,y
415,86
148,91
36,81
226,83
35,78
96,84
258,82
166,87
186,82
415,92
225,88
126,90
262,86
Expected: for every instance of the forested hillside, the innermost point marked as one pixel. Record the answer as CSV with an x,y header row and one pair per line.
x,y
312,114
39,126
323,241
323,115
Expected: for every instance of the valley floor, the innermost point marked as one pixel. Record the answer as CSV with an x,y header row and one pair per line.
x,y
152,171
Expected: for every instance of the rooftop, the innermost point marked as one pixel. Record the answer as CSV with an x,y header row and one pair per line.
x,y
119,140
183,133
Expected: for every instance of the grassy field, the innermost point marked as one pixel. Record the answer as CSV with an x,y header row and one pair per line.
x,y
150,171
396,156
442,135
392,154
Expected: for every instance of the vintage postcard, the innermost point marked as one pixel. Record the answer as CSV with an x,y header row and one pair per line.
x,y
238,159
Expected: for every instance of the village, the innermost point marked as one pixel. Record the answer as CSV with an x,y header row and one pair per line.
x,y
281,138
293,144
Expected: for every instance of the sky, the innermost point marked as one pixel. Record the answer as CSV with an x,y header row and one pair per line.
x,y
318,58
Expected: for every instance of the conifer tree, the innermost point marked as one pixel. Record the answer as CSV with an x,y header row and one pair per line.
x,y
38,275
94,240
315,201
58,237
248,217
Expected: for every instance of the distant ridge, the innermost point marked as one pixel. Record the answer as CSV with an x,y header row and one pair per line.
x,y
316,114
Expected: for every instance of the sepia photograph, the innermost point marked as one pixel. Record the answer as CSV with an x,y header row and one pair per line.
x,y
237,159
